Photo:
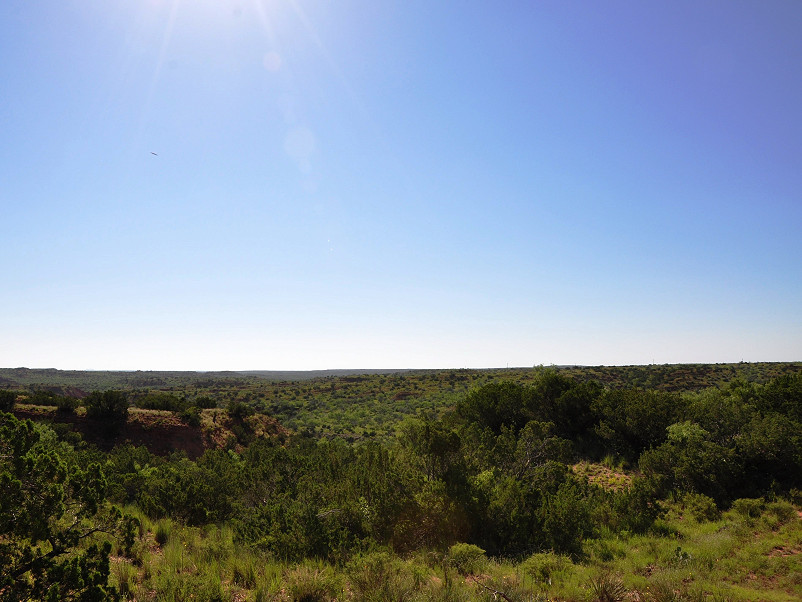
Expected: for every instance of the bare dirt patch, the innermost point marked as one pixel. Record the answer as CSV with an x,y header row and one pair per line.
x,y
161,432
601,475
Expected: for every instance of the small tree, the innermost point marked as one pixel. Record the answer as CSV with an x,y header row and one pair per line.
x,y
205,402
48,504
66,405
566,519
7,400
467,558
239,411
107,405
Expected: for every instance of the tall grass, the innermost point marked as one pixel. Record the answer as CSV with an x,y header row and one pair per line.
x,y
751,552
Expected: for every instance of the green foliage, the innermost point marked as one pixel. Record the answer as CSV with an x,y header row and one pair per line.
x,y
162,532
491,475
124,577
205,402
109,406
783,395
749,508
371,405
7,400
174,586
770,448
243,572
49,502
42,398
191,416
608,588
435,447
692,463
187,491
496,405
130,529
128,468
159,400
546,567
318,499
566,520
239,411
466,558
380,577
432,520
701,507
782,510
66,405
636,508
633,420
313,584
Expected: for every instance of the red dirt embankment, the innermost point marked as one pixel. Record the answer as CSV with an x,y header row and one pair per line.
x,y
161,432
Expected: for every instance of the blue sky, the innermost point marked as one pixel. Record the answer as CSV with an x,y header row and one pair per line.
x,y
343,184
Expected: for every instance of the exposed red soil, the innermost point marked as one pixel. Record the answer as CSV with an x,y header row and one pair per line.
x,y
161,432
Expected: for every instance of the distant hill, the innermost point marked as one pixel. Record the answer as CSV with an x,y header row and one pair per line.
x,y
298,375
101,380
675,377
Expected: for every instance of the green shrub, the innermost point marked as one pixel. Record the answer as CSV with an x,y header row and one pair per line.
x,y
239,411
205,403
636,508
42,398
566,519
606,550
64,432
701,507
749,508
664,590
781,510
191,416
466,558
263,594
7,400
66,405
546,567
107,405
130,530
379,577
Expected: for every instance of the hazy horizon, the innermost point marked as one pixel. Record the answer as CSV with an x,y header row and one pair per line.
x,y
302,184
385,370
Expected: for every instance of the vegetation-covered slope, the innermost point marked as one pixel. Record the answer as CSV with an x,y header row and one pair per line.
x,y
697,500
360,404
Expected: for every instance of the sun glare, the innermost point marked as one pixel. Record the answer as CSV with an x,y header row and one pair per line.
x,y
209,16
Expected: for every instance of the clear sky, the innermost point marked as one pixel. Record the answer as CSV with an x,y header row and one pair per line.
x,y
399,184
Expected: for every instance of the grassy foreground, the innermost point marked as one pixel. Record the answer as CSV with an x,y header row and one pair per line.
x,y
751,552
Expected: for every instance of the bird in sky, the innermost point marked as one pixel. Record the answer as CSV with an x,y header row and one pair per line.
x,y
152,153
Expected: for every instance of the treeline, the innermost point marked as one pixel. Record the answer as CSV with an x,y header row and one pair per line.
x,y
367,406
